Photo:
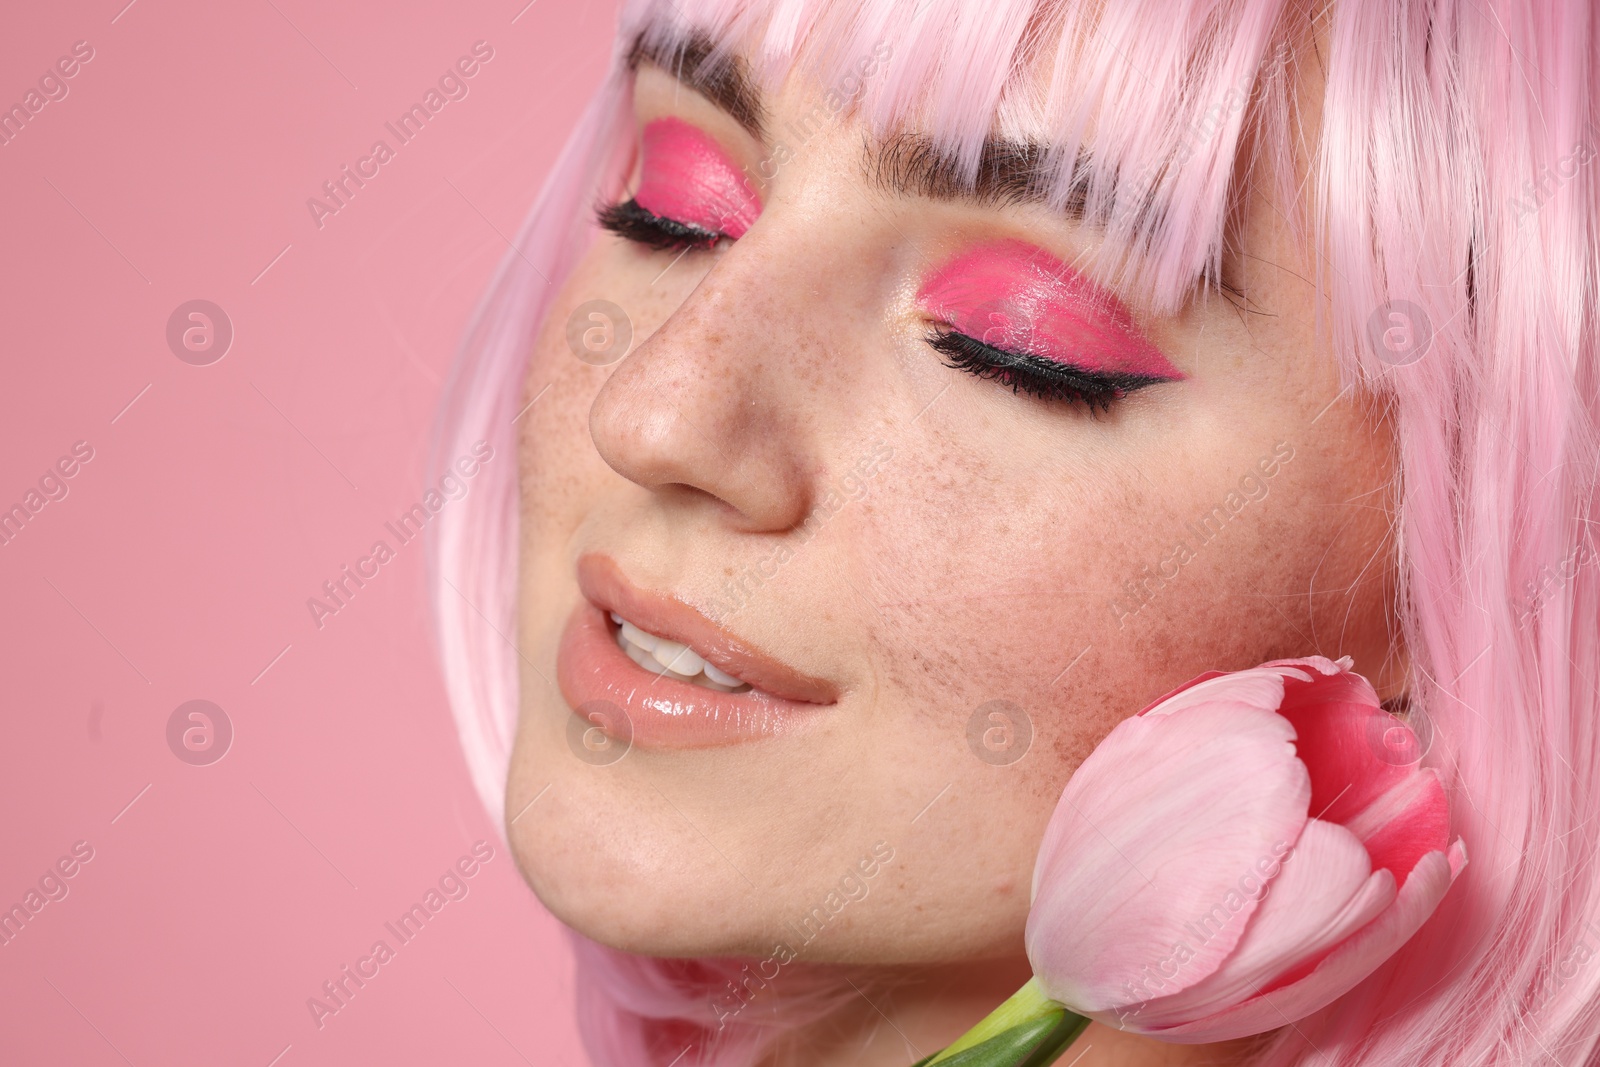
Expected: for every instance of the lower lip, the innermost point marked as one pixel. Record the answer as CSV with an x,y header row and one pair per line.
x,y
597,678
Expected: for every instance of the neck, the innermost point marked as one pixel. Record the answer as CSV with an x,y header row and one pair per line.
x,y
898,1019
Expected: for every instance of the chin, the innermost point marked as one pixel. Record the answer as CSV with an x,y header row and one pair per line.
x,y
630,916
612,874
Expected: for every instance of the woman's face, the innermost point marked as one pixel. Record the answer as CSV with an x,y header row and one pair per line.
x,y
946,572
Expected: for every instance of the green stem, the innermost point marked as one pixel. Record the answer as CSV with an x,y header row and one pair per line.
x,y
1028,1030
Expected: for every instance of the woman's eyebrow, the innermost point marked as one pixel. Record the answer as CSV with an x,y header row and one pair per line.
x,y
725,81
1008,172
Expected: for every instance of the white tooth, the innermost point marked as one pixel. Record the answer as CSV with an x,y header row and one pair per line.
x,y
720,678
642,658
639,637
680,659
661,656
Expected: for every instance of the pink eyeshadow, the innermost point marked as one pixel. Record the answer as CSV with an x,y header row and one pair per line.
x,y
686,177
1019,298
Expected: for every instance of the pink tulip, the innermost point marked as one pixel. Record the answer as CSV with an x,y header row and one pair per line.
x,y
1238,855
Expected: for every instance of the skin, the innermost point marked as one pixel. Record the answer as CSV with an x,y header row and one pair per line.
x,y
977,565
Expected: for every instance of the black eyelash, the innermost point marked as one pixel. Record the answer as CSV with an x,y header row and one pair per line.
x,y
1035,375
634,223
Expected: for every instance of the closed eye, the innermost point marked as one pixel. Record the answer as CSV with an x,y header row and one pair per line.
x,y
628,220
1048,379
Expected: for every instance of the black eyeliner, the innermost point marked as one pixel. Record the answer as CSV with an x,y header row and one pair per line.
x,y
1036,375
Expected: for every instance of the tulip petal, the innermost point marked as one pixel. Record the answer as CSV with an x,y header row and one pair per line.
x,y
1326,892
1409,821
1156,829
1341,733
1257,688
1299,669
1346,966
1205,676
1363,765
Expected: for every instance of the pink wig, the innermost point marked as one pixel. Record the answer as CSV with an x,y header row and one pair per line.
x,y
1451,171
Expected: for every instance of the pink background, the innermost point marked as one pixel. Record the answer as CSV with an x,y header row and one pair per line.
x,y
179,564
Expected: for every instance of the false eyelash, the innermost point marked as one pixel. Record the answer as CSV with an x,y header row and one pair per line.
x,y
1035,375
641,225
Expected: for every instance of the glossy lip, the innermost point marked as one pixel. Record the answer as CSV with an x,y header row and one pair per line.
x,y
663,712
685,176
1021,299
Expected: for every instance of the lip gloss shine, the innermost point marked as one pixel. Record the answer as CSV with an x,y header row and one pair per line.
x,y
664,712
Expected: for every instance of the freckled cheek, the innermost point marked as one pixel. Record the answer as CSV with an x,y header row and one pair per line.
x,y
1006,594
560,469
997,597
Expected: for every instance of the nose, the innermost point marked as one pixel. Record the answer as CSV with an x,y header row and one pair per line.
x,y
712,402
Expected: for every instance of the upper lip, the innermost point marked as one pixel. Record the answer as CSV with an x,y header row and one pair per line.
x,y
602,583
